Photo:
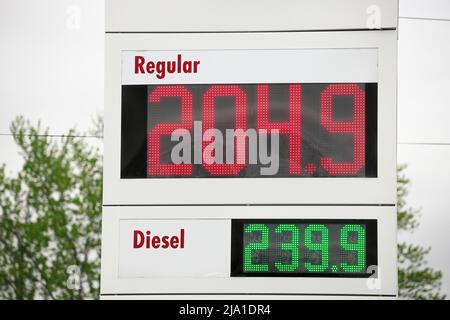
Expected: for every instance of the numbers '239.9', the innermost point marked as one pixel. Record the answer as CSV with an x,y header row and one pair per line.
x,y
292,246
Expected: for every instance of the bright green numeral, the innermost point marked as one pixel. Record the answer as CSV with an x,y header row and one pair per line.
x,y
359,247
263,245
322,247
289,246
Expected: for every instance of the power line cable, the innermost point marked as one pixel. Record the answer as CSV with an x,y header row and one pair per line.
x,y
428,19
56,135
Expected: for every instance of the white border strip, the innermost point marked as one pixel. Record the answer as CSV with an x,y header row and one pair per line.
x,y
250,66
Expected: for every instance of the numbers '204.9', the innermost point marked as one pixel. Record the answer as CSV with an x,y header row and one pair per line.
x,y
190,96
268,251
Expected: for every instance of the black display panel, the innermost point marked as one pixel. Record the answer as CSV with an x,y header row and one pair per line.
x,y
249,130
303,248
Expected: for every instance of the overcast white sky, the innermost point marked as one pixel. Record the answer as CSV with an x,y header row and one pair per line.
x,y
52,70
423,122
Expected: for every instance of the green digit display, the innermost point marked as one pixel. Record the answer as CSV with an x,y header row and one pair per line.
x,y
321,246
303,247
263,245
291,246
359,246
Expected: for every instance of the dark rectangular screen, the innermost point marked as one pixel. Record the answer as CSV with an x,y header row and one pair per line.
x,y
249,130
305,248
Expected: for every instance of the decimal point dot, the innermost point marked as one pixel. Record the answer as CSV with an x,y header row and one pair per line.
x,y
310,168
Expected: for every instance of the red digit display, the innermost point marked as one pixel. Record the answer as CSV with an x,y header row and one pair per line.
x,y
309,130
292,127
356,127
240,122
155,167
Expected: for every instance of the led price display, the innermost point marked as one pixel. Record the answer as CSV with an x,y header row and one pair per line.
x,y
249,130
330,248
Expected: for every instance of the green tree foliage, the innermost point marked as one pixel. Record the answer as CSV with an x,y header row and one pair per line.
x,y
50,218
415,279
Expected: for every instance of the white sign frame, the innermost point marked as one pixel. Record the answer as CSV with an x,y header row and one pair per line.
x,y
179,191
113,285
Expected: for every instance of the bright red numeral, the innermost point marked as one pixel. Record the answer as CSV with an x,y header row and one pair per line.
x,y
292,127
355,127
154,167
240,122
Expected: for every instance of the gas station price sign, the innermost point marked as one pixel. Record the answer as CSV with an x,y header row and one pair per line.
x,y
258,130
266,146
303,248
